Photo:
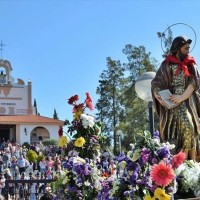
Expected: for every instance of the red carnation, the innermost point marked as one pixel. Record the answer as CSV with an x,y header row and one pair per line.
x,y
178,159
60,132
72,99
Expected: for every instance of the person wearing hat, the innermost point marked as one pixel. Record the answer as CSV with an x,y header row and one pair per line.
x,y
179,73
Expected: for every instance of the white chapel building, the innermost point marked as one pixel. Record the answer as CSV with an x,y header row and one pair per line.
x,y
18,120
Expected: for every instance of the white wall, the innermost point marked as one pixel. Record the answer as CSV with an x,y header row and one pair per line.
x,y
25,137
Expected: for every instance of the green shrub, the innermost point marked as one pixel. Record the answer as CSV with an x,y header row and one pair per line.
x,y
40,157
48,142
32,156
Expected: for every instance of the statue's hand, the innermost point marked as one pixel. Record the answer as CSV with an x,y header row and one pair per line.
x,y
157,96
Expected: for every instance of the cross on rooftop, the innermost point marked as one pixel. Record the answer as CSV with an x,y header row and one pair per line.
x,y
1,48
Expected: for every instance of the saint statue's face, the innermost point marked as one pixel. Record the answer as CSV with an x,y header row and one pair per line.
x,y
184,51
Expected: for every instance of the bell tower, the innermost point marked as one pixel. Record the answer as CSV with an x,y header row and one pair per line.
x,y
15,97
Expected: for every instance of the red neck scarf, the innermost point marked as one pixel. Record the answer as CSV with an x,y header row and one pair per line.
x,y
183,65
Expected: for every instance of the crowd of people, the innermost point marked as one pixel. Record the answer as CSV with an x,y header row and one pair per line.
x,y
14,164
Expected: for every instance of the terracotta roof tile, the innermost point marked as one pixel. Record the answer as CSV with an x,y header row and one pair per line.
x,y
30,119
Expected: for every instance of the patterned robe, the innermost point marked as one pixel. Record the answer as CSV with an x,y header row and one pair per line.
x,y
179,125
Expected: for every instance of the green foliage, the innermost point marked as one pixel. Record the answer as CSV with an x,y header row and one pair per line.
x,y
40,157
35,106
109,91
32,156
49,142
55,114
118,105
166,41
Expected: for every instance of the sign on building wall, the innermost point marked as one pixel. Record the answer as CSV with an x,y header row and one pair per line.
x,y
13,101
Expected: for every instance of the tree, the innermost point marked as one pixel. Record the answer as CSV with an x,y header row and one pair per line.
x,y
135,113
108,104
35,106
166,41
55,115
119,107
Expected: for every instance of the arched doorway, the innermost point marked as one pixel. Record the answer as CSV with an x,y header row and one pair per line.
x,y
38,134
7,132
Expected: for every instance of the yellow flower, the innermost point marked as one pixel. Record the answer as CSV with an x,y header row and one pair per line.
x,y
161,195
78,114
62,141
79,142
148,197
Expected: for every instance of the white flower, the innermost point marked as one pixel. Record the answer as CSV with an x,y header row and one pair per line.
x,y
79,160
168,145
190,170
87,183
132,145
73,153
179,169
87,120
156,141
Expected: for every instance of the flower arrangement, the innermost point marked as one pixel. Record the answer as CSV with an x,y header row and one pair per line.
x,y
188,178
80,180
147,171
85,131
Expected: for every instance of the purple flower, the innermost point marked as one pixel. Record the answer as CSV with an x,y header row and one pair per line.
x,y
163,152
134,177
156,135
145,155
87,170
154,161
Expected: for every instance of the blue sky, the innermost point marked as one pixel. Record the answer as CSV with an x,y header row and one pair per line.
x,y
62,45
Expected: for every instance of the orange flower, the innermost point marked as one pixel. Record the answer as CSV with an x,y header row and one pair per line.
x,y
162,174
178,159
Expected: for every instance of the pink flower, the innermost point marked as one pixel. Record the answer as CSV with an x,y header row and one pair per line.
x,y
178,159
162,174
88,102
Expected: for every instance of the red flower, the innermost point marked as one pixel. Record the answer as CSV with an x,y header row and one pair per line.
x,y
162,174
178,159
60,132
79,107
88,102
72,99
